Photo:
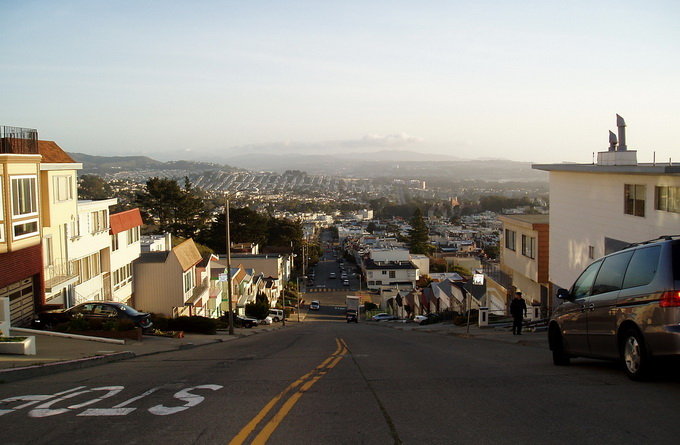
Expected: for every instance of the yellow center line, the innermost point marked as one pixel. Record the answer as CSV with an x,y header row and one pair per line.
x,y
328,363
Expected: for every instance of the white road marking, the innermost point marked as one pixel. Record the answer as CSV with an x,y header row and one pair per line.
x,y
32,400
186,396
119,409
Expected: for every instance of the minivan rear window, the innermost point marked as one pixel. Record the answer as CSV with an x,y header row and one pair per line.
x,y
642,267
676,261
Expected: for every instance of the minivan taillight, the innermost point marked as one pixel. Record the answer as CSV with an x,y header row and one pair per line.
x,y
670,299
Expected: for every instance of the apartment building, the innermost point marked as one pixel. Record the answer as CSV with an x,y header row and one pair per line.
x,y
126,247
599,208
58,187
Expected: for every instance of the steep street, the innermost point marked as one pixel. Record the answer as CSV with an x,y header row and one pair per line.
x,y
326,381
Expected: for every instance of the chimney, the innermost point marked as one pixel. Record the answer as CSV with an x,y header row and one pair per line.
x,y
621,124
612,141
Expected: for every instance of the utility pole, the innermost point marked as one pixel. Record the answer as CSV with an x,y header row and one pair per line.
x,y
226,224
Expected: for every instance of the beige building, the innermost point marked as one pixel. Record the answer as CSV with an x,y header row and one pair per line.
x,y
165,281
58,187
524,254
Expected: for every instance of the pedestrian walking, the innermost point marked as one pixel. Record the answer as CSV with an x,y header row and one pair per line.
x,y
518,310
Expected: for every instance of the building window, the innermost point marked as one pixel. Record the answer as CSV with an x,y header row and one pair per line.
x,y
47,251
114,242
384,272
634,199
393,274
667,198
371,283
122,276
63,188
88,267
188,280
24,229
100,221
529,246
132,235
24,196
591,252
510,239
74,228
378,283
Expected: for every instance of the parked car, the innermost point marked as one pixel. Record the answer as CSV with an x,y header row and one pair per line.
x,y
345,282
276,314
266,320
314,306
94,310
419,319
624,306
244,322
383,316
332,275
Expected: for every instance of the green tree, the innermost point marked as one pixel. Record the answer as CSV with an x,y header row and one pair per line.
x,y
370,228
175,210
418,235
93,187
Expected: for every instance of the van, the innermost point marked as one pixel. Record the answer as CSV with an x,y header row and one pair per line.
x,y
624,306
276,314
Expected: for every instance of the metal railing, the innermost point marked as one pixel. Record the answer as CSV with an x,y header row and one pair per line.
x,y
58,272
18,140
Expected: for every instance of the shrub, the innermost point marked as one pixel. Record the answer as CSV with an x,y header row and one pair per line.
x,y
369,306
160,322
196,324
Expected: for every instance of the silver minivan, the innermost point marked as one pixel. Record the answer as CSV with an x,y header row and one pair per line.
x,y
624,306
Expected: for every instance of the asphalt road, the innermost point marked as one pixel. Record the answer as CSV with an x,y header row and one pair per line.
x,y
327,381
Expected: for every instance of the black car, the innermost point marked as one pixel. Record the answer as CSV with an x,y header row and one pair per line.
x,y
94,310
240,321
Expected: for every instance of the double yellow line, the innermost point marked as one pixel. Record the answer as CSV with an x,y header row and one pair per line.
x,y
298,387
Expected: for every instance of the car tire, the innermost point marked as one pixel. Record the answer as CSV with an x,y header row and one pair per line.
x,y
560,358
634,356
276,319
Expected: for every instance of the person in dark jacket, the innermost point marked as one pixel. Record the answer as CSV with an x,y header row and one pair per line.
x,y
518,310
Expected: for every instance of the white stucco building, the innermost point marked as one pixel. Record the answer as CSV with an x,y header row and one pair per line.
x,y
598,208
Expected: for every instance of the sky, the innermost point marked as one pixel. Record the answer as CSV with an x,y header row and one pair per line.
x,y
537,81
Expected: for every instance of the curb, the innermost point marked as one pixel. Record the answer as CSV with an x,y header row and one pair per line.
x,y
27,372
541,343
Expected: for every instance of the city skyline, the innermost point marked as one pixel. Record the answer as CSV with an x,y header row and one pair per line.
x,y
527,82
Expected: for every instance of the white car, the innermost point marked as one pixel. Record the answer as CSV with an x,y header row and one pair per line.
x,y
266,320
383,316
419,319
345,282
314,306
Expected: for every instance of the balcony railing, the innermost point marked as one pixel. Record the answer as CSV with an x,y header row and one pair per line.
x,y
493,270
59,272
17,140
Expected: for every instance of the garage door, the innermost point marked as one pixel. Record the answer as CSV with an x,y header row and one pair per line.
x,y
21,301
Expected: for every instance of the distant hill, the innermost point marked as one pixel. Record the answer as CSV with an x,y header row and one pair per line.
x,y
103,165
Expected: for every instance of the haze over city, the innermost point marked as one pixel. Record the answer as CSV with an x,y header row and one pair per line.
x,y
526,81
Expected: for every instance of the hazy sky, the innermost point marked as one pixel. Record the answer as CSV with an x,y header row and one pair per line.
x,y
525,80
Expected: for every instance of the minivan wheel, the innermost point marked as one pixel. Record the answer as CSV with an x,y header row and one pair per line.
x,y
636,360
560,358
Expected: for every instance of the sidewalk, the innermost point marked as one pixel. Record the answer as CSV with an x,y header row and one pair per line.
x,y
537,339
56,354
